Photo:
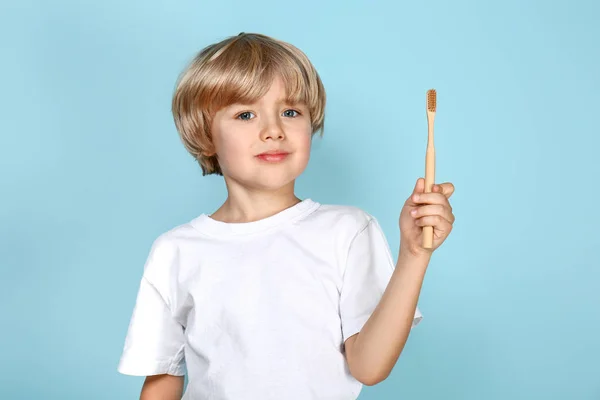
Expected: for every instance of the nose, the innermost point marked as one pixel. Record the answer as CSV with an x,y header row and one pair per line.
x,y
273,131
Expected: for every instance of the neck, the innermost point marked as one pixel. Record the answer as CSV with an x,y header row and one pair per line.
x,y
248,205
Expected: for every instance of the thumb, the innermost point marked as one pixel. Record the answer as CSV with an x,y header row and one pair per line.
x,y
419,186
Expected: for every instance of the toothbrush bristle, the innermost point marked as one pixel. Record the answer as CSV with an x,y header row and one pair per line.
x,y
431,100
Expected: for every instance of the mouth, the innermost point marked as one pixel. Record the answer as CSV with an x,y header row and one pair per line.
x,y
273,156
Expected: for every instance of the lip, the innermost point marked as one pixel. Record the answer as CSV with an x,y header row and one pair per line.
x,y
273,155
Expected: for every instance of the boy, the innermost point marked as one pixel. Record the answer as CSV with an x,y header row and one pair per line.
x,y
271,296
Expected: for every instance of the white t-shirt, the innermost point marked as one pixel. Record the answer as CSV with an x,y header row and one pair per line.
x,y
260,310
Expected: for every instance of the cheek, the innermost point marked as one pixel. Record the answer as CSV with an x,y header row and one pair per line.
x,y
304,142
230,150
302,148
233,153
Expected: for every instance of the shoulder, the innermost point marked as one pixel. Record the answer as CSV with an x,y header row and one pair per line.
x,y
173,237
177,234
166,249
345,217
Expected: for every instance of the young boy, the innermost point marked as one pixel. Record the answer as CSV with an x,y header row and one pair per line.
x,y
272,296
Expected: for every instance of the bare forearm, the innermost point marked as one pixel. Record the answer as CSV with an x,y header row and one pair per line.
x,y
377,347
162,387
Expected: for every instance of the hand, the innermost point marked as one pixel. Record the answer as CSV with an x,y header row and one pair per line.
x,y
426,209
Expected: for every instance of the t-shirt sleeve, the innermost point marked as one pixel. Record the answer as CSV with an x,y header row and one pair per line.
x,y
369,267
155,340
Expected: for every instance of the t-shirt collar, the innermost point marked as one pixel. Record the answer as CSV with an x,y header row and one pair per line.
x,y
212,227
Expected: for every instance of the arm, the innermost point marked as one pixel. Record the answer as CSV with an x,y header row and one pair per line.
x,y
372,353
162,387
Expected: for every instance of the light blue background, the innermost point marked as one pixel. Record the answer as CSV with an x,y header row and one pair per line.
x,y
92,171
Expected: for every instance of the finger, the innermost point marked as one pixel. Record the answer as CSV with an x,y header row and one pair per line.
x,y
438,223
433,210
430,198
436,209
419,186
446,188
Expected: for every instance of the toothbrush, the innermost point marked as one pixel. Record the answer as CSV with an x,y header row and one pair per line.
x,y
429,161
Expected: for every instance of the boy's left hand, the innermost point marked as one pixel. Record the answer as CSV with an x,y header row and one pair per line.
x,y
426,209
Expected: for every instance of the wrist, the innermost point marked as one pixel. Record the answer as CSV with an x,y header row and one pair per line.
x,y
414,252
413,262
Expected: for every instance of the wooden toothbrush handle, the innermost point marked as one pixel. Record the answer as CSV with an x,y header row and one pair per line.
x,y
429,179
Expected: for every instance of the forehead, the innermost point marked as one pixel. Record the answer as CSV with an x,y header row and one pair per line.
x,y
277,92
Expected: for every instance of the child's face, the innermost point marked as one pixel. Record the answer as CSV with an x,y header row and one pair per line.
x,y
242,134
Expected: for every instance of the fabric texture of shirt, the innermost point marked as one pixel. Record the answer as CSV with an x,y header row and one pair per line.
x,y
260,310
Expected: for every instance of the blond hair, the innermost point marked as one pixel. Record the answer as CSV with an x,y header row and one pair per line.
x,y
240,69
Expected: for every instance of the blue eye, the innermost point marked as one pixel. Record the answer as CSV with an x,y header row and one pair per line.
x,y
245,116
291,113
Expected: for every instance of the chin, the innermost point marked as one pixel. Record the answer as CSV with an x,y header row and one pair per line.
x,y
273,182
268,180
